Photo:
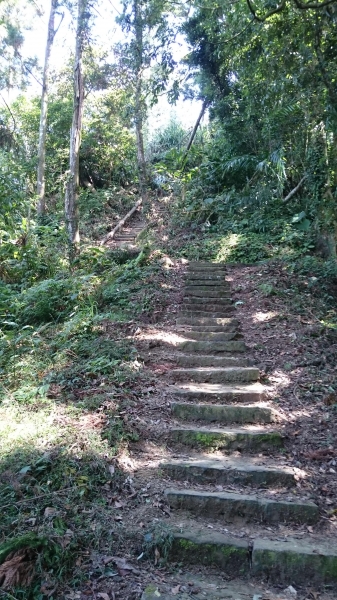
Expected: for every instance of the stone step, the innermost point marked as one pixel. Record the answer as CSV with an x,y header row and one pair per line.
x,y
224,308
200,274
206,586
249,440
125,235
211,336
204,264
211,313
206,279
293,561
208,360
235,507
216,374
207,328
203,270
229,470
207,292
212,347
201,285
227,414
254,392
223,301
230,322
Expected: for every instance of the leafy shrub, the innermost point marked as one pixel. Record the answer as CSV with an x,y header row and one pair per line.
x,y
53,299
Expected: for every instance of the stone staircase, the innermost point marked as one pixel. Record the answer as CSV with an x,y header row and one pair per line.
x,y
127,236
230,430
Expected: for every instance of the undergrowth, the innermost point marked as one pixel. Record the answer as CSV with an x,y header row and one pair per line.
x,y
69,371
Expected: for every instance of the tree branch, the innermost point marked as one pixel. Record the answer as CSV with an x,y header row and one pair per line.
x,y
271,12
9,110
238,34
110,235
298,3
313,5
293,192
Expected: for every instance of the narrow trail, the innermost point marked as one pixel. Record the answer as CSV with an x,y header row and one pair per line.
x,y
233,500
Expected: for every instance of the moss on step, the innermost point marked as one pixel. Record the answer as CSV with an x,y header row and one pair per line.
x,y
230,555
228,440
296,562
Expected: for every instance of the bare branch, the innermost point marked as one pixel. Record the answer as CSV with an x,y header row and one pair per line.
x,y
271,12
239,33
9,110
313,5
110,235
280,7
293,191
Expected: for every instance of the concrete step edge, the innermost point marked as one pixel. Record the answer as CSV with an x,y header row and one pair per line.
x,y
224,413
229,470
297,562
226,438
218,390
249,506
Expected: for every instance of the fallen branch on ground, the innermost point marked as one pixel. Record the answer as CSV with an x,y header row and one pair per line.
x,y
62,491
112,233
293,192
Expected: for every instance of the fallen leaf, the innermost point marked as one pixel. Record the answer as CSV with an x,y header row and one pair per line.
x,y
330,399
310,529
18,569
175,590
123,566
118,504
318,454
103,595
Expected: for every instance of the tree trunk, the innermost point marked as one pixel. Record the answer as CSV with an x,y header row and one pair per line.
x,y
41,206
139,103
194,132
195,128
71,196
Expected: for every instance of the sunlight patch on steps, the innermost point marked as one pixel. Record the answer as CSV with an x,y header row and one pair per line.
x,y
164,336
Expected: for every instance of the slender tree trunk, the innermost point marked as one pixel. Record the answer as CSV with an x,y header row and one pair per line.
x,y
195,128
71,196
41,206
139,104
194,131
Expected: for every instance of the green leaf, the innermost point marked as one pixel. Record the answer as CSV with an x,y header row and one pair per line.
x,y
299,217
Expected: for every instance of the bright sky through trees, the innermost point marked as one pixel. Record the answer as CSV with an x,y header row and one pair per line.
x,y
105,33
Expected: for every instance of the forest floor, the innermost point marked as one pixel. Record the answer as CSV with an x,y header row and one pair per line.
x,y
107,440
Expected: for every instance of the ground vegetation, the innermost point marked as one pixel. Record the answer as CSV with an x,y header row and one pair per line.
x,y
81,365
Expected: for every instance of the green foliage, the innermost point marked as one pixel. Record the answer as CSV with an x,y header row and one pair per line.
x,y
52,299
165,141
108,144
265,138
